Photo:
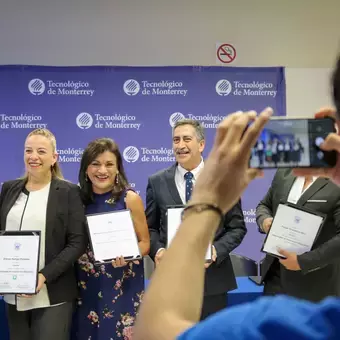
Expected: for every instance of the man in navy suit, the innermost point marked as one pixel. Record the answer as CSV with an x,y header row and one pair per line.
x,y
173,186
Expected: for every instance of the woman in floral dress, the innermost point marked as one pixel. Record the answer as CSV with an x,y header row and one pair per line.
x,y
110,293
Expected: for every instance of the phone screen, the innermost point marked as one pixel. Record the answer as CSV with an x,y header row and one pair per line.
x,y
293,143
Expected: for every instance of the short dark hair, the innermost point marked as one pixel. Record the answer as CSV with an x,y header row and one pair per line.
x,y
92,151
195,124
336,86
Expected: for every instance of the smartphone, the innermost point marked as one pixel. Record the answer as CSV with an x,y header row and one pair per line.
x,y
293,143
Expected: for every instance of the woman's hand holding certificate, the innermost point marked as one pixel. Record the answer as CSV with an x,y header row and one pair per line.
x,y
113,237
19,258
120,262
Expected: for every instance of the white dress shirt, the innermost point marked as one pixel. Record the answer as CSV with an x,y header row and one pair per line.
x,y
297,191
180,180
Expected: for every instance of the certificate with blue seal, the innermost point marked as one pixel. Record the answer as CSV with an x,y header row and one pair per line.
x,y
19,262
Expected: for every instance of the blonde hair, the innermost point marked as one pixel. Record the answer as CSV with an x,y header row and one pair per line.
x,y
55,169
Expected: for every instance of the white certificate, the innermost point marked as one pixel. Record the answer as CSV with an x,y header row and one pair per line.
x,y
19,260
293,229
174,219
113,235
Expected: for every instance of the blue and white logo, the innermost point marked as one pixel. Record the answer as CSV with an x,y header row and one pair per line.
x,y
36,87
17,246
131,154
131,87
175,117
84,120
223,87
297,219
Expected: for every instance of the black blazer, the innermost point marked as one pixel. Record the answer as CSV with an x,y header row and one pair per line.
x,y
66,237
319,275
162,192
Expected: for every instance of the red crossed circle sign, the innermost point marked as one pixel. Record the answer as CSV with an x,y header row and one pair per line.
x,y
226,53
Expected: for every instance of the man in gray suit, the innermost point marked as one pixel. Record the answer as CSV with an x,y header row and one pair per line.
x,y
173,186
313,275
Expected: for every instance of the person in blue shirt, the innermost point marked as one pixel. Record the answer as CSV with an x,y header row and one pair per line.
x,y
172,303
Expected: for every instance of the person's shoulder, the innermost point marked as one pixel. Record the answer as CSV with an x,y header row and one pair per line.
x,y
273,315
7,185
220,323
132,196
161,173
281,173
333,188
63,183
11,183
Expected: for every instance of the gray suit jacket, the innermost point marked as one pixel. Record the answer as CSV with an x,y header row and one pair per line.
x,y
161,193
319,275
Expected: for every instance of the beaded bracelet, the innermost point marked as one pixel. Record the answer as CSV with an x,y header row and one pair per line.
x,y
199,207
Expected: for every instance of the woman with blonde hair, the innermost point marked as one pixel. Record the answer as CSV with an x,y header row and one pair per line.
x,y
43,201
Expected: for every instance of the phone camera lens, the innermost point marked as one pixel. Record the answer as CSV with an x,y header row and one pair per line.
x,y
319,141
320,155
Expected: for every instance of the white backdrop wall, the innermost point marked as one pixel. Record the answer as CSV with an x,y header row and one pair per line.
x,y
308,89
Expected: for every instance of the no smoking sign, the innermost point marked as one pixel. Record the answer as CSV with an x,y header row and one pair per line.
x,y
225,53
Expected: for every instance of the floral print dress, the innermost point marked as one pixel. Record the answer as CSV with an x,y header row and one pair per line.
x,y
109,297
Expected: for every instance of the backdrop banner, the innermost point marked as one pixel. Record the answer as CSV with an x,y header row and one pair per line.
x,y
137,107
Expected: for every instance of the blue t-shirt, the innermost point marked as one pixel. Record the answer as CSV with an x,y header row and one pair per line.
x,y
278,318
